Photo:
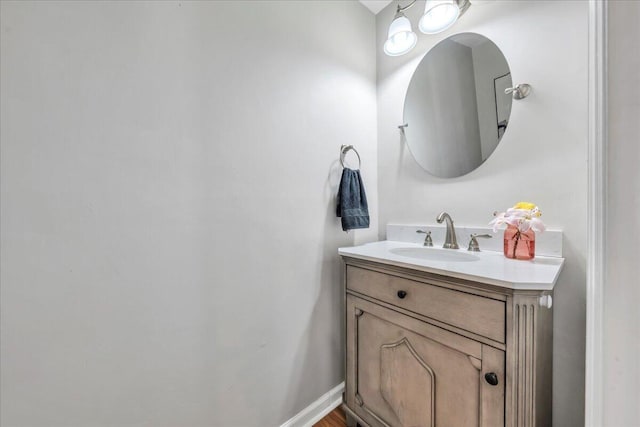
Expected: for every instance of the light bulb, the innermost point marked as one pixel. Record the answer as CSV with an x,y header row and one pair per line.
x,y
438,16
401,38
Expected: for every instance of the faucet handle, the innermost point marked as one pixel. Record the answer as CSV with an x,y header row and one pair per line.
x,y
473,243
427,238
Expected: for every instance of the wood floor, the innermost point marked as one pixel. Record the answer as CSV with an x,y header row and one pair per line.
x,y
335,418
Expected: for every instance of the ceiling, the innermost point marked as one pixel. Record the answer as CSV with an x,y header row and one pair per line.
x,y
375,6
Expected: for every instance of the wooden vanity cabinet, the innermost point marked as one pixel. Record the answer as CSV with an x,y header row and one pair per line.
x,y
425,350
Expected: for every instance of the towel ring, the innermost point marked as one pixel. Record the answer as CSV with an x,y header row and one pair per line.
x,y
343,151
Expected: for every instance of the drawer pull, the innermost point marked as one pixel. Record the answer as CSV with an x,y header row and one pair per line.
x,y
402,294
491,378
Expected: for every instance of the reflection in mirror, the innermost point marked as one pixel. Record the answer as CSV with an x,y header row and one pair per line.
x,y
455,107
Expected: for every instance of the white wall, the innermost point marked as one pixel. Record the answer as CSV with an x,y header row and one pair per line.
x,y
542,157
169,240
622,291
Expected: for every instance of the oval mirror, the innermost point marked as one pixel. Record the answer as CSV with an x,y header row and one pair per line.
x,y
455,108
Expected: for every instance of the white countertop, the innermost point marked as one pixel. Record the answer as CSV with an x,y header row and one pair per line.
x,y
492,268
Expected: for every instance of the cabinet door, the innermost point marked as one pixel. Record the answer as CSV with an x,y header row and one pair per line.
x,y
407,373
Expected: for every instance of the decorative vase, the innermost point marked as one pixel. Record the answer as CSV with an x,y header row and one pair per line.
x,y
519,244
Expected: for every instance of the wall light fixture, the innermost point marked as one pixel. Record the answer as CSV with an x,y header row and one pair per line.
x,y
438,16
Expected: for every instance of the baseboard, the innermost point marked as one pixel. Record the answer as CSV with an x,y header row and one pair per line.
x,y
318,409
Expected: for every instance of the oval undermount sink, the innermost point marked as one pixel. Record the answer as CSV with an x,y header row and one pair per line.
x,y
434,254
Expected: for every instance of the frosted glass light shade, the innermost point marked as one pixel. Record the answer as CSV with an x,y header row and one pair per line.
x,y
438,16
401,38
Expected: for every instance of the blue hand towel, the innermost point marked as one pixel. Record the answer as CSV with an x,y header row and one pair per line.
x,y
352,201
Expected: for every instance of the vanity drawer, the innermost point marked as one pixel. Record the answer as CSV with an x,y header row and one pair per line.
x,y
477,314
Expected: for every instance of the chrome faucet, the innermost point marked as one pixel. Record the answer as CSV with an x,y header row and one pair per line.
x,y
450,241
474,246
427,238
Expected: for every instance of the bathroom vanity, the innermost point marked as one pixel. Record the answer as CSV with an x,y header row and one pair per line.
x,y
439,337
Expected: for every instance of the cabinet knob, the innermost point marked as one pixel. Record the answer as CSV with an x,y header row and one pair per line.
x,y
491,378
402,294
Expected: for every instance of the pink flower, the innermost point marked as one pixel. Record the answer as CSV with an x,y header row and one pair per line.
x,y
522,218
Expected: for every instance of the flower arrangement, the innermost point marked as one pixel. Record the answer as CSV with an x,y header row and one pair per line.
x,y
523,215
522,221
